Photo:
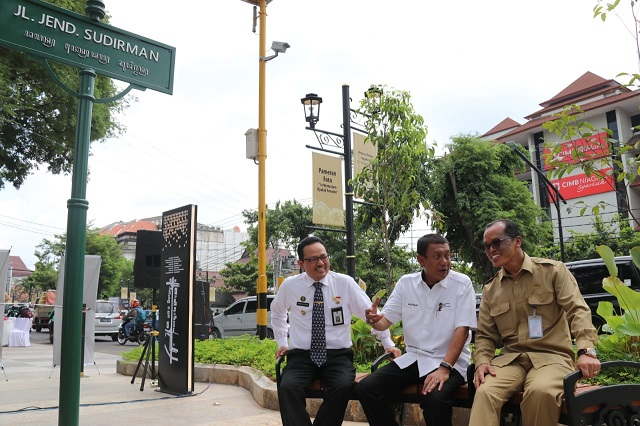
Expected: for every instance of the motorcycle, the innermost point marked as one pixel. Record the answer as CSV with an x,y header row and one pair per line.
x,y
139,336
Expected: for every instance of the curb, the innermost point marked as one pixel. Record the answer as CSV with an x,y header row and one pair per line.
x,y
264,391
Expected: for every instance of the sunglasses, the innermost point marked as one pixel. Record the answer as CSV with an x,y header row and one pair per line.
x,y
495,244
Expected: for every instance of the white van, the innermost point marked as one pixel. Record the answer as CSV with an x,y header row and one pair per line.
x,y
241,318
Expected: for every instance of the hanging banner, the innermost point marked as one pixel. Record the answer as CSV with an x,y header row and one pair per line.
x,y
91,276
4,275
363,153
177,277
327,190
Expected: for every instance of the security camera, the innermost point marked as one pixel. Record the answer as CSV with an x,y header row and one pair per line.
x,y
279,46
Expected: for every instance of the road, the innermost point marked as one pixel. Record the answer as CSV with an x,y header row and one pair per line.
x,y
103,344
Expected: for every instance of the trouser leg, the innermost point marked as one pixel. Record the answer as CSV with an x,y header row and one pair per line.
x,y
542,398
437,407
491,396
296,376
337,374
382,386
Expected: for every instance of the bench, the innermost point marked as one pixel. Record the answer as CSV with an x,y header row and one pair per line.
x,y
587,405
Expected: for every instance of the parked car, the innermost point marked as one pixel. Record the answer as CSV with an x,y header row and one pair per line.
x,y
589,275
241,318
107,319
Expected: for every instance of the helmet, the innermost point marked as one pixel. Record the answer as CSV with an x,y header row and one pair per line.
x,y
135,303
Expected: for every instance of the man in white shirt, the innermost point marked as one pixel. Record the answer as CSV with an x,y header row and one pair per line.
x,y
341,298
437,309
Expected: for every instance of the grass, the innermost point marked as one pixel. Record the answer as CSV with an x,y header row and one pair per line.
x,y
250,351
244,350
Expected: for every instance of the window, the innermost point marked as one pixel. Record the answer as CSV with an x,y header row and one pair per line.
x,y
252,306
236,309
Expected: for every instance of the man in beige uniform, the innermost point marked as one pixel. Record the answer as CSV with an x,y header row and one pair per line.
x,y
532,307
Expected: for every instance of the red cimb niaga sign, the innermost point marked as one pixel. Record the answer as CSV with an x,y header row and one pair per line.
x,y
591,148
581,186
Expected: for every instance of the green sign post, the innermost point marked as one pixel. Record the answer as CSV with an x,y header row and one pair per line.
x,y
46,32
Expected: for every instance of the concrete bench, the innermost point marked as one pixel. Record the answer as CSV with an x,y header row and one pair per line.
x,y
582,405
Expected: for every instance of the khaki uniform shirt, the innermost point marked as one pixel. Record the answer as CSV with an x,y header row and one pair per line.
x,y
548,287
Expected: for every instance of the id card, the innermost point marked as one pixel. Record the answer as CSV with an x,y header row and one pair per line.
x,y
337,316
535,327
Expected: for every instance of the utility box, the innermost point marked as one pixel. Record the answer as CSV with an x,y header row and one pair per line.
x,y
252,144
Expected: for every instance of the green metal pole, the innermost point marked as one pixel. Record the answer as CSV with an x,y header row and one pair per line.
x,y
71,346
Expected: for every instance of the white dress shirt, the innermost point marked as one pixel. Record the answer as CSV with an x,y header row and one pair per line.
x,y
429,318
342,299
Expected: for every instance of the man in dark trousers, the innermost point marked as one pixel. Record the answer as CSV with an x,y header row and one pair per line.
x,y
319,304
437,310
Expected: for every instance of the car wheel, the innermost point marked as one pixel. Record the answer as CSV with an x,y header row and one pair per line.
x,y
38,326
215,333
269,333
114,337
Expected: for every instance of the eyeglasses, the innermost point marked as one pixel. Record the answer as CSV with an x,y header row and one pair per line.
x,y
495,244
315,259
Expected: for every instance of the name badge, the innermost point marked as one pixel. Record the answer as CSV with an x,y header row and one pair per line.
x,y
535,327
303,304
337,316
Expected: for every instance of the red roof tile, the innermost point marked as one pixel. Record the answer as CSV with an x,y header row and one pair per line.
x,y
585,107
505,124
588,82
132,227
18,268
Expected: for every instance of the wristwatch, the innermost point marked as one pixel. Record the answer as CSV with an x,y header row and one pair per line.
x,y
445,364
588,352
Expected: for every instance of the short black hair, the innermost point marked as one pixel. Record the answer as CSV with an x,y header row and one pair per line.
x,y
511,229
306,242
426,240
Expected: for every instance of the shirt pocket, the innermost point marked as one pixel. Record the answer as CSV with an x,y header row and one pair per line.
x,y
503,316
543,303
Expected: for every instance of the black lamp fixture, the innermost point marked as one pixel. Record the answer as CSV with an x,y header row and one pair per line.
x,y
311,103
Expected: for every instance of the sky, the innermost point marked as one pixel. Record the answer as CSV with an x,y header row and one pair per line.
x,y
467,65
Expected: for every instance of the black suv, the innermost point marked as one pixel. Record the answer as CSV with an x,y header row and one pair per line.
x,y
589,275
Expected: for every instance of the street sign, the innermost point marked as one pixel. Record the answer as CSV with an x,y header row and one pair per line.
x,y
43,30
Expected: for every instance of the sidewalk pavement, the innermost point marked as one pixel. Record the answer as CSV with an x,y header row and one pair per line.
x,y
30,396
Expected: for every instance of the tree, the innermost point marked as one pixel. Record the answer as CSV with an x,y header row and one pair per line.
x,y
38,118
288,222
242,277
391,181
112,268
475,185
617,234
371,255
44,277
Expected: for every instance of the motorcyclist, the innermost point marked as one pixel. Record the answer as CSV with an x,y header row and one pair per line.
x,y
135,317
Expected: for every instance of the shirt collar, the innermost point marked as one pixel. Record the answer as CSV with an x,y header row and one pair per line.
x,y
444,282
527,265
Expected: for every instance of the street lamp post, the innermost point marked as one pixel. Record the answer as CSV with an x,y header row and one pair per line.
x,y
557,197
311,104
260,157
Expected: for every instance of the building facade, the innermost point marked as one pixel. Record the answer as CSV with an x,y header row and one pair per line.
x,y
605,104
